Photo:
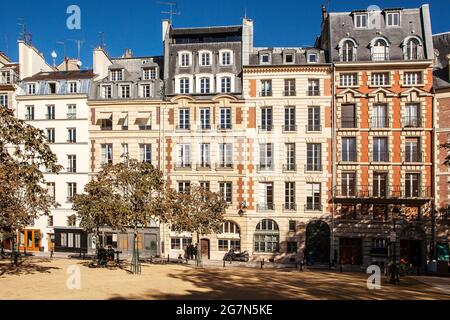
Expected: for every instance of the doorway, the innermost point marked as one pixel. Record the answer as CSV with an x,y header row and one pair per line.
x,y
350,250
411,252
30,240
204,244
317,242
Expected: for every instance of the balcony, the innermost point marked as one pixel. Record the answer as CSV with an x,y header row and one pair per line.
x,y
185,127
380,123
71,116
264,167
289,93
412,157
266,128
411,122
224,166
313,128
289,206
290,167
223,127
49,116
313,167
203,166
313,207
265,93
9,77
382,192
290,128
204,126
380,156
183,165
313,93
71,170
265,207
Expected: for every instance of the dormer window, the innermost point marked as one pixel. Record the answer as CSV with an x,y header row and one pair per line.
x,y
205,58
73,87
412,48
361,20
265,58
226,57
185,59
312,57
149,74
107,91
289,58
393,19
116,75
125,91
31,88
52,88
380,49
347,50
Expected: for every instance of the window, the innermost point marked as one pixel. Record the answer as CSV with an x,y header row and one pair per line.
x,y
290,157
393,19
266,88
184,186
184,155
348,184
184,119
4,100
145,152
266,119
226,58
225,118
71,111
266,156
380,50
71,135
348,51
225,84
412,78
380,151
106,153
265,58
289,196
73,87
313,157
348,79
106,123
124,152
184,86
313,119
313,197
289,58
205,118
51,135
380,184
116,75
229,227
50,112
29,115
361,21
71,190
72,163
411,50
225,155
205,155
379,246
312,57
412,185
228,244
125,91
292,226
412,150
267,236
379,116
205,59
205,85
265,196
31,88
289,88
146,90
411,118
51,190
50,221
63,239
225,190
348,116
380,79
205,185
106,92
289,118
185,59
179,243
149,74
348,149
313,87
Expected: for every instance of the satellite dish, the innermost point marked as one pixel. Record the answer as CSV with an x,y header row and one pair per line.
x,y
79,63
54,55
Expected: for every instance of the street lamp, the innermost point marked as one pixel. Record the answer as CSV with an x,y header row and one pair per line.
x,y
394,277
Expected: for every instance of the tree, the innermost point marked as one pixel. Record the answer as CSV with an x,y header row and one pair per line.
x,y
198,210
23,154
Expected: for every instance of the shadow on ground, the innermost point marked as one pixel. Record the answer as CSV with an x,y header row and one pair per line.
x,y
274,285
25,267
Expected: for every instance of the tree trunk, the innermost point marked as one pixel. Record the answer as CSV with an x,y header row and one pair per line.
x,y
199,251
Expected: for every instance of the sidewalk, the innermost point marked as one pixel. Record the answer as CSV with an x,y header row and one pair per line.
x,y
440,283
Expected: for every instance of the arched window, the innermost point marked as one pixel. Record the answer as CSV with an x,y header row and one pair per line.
x,y
229,237
267,236
411,49
380,49
348,51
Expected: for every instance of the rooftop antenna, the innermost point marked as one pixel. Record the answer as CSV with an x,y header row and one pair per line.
x,y
25,36
6,45
101,36
171,12
79,44
63,43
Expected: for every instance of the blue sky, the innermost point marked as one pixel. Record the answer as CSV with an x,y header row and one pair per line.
x,y
136,24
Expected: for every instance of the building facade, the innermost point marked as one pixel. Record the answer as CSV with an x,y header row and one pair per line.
x,y
383,124
9,80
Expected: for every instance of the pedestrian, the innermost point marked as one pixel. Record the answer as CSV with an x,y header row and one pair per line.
x,y
190,251
195,252
186,253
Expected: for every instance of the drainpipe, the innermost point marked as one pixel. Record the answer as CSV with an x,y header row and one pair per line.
x,y
433,184
333,152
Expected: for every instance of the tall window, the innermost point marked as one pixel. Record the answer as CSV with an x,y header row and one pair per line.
x,y
125,91
29,113
379,116
380,184
290,157
267,237
313,87
226,58
289,118
106,92
50,112
380,50
229,237
124,152
205,155
412,185
266,119
313,197
71,190
348,184
71,111
265,195
184,186
184,155
225,118
289,195
266,88
184,86
225,155
31,88
51,187
412,78
145,152
225,189
51,135
266,156
289,87
205,85
313,119
185,59
225,84
348,116
73,87
205,118
183,119
380,79
146,90
72,163
348,149
313,157
106,153
411,118
4,100
348,51
412,150
412,49
71,135
380,150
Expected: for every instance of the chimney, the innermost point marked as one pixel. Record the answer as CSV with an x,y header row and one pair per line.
x,y
448,66
324,13
128,53
165,28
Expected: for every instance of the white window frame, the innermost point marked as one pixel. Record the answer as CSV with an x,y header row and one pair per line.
x,y
145,152
222,57
208,58
116,75
122,91
348,79
73,86
313,55
106,91
31,88
184,59
106,153
391,23
359,20
412,78
380,79
184,154
4,100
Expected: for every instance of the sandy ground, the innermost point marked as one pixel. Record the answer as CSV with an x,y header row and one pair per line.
x,y
47,279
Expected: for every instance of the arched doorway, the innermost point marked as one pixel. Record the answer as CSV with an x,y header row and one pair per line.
x,y
267,237
412,247
229,237
317,247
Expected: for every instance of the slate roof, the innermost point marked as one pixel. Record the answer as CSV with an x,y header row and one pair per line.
x,y
61,75
277,56
441,44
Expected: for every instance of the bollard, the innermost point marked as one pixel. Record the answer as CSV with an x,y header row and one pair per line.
x,y
340,268
224,263
262,263
301,266
168,258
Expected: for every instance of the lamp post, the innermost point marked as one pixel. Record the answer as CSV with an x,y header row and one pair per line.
x,y
394,278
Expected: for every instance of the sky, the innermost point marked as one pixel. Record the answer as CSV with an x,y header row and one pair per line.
x,y
136,24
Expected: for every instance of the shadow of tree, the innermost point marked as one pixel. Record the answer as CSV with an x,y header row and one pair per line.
x,y
25,267
240,284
